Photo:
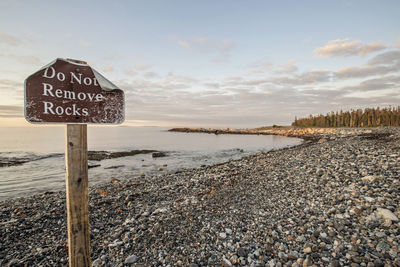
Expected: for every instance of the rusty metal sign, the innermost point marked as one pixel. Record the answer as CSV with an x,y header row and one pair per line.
x,y
70,91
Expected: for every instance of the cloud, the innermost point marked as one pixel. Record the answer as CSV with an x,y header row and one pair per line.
x,y
219,49
212,85
171,77
8,111
150,75
344,47
288,67
10,84
387,58
305,78
245,102
274,98
381,64
233,78
108,69
360,72
262,65
30,60
142,67
130,73
10,39
378,84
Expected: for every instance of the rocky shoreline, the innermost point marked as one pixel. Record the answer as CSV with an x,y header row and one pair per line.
x,y
92,155
333,201
308,134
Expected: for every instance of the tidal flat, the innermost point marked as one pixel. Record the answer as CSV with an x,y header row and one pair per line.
x,y
331,201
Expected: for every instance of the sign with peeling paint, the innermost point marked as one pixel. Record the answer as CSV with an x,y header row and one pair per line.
x,y
70,91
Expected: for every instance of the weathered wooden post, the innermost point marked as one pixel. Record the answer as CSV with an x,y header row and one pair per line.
x,y
71,92
76,162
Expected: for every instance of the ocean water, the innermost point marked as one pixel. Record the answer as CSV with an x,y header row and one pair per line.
x,y
43,149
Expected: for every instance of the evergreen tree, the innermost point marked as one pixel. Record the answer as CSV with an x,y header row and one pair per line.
x,y
369,117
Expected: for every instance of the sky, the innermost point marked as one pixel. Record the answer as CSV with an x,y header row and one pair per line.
x,y
211,63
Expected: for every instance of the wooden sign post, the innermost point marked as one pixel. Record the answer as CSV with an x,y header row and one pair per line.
x,y
71,92
76,162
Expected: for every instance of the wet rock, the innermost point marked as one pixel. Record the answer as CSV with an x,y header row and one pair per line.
x,y
114,167
90,166
159,154
100,155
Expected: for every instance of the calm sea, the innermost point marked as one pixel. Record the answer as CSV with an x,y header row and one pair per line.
x,y
43,147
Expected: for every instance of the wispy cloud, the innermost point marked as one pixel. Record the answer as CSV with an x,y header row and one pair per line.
x,y
10,84
288,67
345,47
262,65
130,73
30,60
378,84
219,49
382,64
7,111
150,75
108,69
142,67
10,39
387,58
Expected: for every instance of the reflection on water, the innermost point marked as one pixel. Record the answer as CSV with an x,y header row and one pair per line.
x,y
43,147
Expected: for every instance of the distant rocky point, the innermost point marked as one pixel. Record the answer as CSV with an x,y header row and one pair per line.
x,y
308,134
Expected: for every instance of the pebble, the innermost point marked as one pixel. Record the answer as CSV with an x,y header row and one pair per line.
x,y
386,214
222,235
241,252
131,259
226,263
96,263
369,179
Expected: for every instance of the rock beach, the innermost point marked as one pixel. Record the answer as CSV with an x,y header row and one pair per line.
x,y
302,206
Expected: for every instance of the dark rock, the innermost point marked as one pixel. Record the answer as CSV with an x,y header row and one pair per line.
x,y
100,155
159,154
90,166
241,252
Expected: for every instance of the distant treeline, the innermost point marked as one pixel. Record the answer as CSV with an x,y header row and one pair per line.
x,y
369,117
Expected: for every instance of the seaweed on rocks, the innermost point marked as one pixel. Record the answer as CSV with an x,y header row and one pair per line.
x,y
100,155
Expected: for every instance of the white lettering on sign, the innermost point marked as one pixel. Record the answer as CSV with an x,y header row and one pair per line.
x,y
59,110
76,78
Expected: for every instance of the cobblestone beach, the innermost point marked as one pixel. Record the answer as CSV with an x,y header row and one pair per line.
x,y
332,201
